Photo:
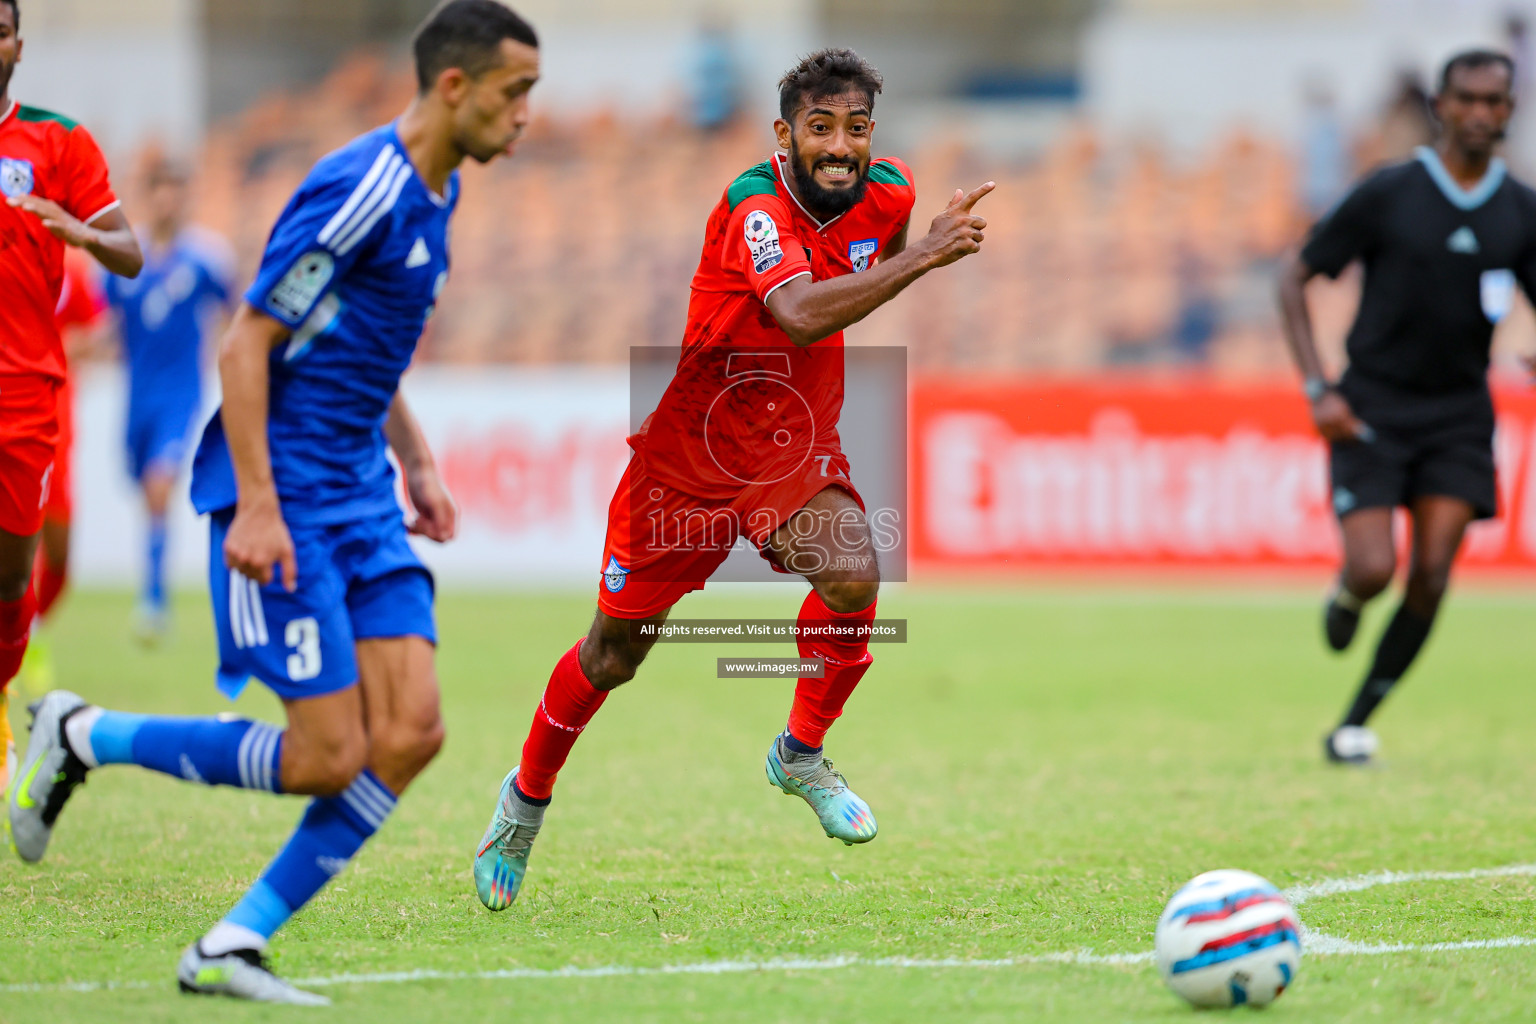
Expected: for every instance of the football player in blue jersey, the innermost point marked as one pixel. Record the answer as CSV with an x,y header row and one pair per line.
x,y
316,591
162,316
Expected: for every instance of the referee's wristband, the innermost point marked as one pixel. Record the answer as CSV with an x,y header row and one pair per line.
x,y
1315,388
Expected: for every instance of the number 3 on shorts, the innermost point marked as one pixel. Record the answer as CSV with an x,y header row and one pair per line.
x,y
303,635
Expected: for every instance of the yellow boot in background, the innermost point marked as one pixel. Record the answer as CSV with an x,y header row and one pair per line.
x,y
7,744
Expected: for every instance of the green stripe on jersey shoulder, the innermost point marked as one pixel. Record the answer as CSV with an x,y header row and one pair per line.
x,y
38,114
887,174
759,181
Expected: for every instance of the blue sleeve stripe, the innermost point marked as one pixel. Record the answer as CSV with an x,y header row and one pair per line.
x,y
402,173
369,191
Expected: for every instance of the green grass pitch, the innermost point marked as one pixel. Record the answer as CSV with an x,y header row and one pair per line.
x,y
1047,765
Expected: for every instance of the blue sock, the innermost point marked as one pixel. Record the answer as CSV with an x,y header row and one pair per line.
x,y
330,833
213,751
154,571
796,746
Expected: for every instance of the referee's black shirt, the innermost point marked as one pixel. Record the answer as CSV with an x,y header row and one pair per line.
x,y
1441,267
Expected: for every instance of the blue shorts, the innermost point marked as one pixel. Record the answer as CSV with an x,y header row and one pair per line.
x,y
158,440
357,581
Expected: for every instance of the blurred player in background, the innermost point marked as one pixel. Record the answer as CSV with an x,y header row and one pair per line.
x,y
56,193
162,318
81,305
1446,238
316,590
798,248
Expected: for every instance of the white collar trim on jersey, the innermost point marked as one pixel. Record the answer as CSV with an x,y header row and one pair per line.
x,y
15,105
1462,198
781,161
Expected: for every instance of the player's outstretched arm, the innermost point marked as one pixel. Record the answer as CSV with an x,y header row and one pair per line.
x,y
258,539
109,237
1331,413
437,516
811,310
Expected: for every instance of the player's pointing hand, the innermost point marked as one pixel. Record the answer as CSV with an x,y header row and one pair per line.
x,y
957,232
964,201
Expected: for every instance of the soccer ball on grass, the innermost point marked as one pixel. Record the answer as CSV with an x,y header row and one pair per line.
x,y
1228,938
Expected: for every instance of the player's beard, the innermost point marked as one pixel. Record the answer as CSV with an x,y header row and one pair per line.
x,y
826,203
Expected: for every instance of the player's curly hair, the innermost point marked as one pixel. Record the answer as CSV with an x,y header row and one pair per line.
x,y
830,72
466,34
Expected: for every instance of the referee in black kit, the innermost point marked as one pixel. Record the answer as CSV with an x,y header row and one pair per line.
x,y
1445,238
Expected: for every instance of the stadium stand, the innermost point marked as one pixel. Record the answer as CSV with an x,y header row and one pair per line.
x,y
583,246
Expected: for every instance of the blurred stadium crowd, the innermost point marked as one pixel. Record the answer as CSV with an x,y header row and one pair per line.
x,y
584,245
1102,254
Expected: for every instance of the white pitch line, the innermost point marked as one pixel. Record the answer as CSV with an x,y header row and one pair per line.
x,y
1299,894
1316,943
737,967
78,986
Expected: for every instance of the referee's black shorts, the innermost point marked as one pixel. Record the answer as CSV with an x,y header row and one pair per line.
x,y
1435,445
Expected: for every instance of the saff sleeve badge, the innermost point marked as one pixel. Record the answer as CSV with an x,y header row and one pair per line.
x,y
296,294
762,241
16,177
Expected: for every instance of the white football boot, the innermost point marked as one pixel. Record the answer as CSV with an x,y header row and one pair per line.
x,y
240,974
1351,744
47,776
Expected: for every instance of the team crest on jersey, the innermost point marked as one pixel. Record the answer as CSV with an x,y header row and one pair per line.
x,y
763,241
859,253
296,294
16,177
615,576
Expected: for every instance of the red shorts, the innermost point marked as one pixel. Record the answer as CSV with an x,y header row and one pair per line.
x,y
29,432
59,505
663,543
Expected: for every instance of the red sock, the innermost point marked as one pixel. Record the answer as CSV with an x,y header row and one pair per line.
x,y
569,703
48,581
15,629
819,702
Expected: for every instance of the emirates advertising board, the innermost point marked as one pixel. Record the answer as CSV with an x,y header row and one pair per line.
x,y
1177,474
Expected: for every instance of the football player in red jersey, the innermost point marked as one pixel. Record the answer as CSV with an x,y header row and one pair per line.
x,y
57,194
744,443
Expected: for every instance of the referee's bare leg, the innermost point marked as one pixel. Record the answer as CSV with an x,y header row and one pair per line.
x,y
1439,524
1370,562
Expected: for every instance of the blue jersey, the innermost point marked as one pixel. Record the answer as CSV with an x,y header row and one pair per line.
x,y
162,315
353,267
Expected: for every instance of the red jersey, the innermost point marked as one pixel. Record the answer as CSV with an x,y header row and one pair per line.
x,y
747,406
80,300
54,158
